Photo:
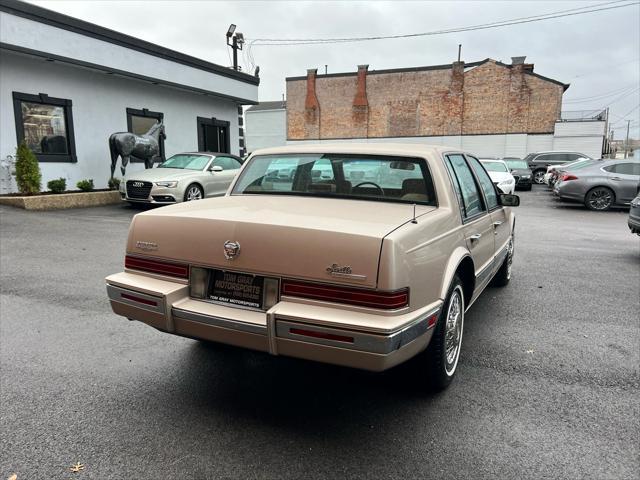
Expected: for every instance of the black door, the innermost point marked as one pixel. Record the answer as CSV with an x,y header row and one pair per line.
x,y
213,135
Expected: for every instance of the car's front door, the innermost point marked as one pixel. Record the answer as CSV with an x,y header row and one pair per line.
x,y
623,178
499,219
478,225
219,181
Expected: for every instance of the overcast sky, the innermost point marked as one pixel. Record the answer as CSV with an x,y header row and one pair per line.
x,y
597,53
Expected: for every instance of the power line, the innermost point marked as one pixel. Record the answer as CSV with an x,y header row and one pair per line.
x,y
600,96
503,23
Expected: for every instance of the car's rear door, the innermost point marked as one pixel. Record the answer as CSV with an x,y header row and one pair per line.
x,y
623,178
499,219
477,222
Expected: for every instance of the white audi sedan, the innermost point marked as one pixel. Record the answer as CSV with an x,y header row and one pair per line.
x,y
500,175
182,178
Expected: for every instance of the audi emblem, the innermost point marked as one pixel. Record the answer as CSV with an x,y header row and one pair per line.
x,y
138,184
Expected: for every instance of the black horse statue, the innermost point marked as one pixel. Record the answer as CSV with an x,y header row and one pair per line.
x,y
145,148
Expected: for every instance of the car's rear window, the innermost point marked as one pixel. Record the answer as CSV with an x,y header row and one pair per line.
x,y
363,177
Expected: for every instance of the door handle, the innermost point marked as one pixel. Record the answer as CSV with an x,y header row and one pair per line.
x,y
616,179
497,223
475,236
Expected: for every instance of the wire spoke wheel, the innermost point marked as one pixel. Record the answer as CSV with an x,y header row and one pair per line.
x,y
453,331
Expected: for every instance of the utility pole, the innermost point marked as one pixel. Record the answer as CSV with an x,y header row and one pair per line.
x,y
626,142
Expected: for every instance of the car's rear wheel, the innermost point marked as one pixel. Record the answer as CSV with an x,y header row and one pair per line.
x,y
538,177
443,351
503,275
193,192
599,198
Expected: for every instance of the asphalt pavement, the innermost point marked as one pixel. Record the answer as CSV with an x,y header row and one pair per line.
x,y
547,384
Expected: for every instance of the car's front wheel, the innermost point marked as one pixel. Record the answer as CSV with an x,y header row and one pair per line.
x,y
599,198
443,351
193,192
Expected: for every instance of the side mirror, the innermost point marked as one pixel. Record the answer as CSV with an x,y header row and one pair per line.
x,y
508,200
215,168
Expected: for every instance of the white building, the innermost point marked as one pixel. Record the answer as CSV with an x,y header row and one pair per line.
x,y
66,85
266,125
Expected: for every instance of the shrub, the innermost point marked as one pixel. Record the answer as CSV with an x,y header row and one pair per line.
x,y
57,186
114,183
28,174
85,185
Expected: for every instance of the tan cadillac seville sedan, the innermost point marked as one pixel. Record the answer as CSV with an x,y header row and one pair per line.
x,y
353,254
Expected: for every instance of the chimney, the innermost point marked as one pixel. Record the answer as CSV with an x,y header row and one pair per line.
x,y
360,99
311,102
518,60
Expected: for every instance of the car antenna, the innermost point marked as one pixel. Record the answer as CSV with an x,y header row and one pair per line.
x,y
413,220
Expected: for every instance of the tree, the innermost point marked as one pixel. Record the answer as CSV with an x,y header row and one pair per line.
x,y
28,174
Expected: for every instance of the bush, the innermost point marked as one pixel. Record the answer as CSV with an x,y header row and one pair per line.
x,y
28,174
57,186
85,185
114,183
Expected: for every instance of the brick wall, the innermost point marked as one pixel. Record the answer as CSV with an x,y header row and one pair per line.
x,y
486,99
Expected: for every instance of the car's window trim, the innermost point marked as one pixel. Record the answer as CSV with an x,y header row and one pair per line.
x,y
465,217
495,188
420,160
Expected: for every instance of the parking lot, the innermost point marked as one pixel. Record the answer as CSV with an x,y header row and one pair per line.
x,y
547,385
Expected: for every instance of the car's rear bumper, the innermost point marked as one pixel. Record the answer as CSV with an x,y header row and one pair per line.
x,y
320,333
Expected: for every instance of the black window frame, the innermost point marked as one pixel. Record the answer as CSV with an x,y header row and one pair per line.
x,y
455,183
146,113
214,122
44,99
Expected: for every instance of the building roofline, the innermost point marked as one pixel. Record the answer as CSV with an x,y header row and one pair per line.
x,y
427,68
59,20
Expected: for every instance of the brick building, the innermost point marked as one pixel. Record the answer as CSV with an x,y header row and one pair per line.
x,y
487,107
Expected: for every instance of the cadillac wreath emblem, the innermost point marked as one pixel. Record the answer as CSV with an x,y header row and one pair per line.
x,y
231,249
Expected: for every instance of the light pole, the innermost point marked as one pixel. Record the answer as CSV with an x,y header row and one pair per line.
x,y
237,40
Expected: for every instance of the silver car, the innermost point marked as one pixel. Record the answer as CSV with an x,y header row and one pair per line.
x,y
182,178
600,185
634,214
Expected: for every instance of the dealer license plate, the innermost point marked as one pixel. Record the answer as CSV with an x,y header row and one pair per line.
x,y
236,288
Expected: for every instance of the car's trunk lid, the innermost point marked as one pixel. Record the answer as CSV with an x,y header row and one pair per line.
x,y
286,236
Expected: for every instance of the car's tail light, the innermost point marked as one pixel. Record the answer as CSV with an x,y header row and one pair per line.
x,y
351,296
156,266
566,177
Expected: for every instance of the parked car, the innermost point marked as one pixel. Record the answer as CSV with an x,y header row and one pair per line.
x,y
634,215
554,171
600,185
500,175
539,161
364,275
182,177
521,172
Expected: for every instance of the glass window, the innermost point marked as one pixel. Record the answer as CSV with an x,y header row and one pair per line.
x,y
227,163
495,166
624,168
489,190
45,128
45,125
185,161
470,194
346,176
517,164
